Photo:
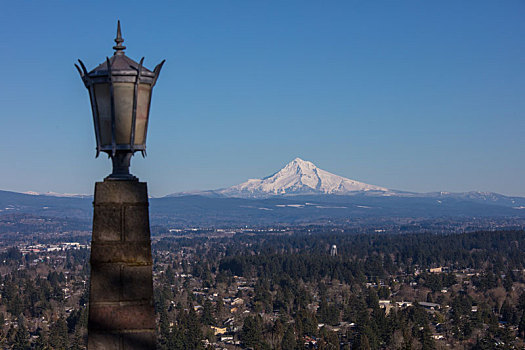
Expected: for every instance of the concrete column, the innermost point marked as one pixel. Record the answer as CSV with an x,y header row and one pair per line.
x,y
121,311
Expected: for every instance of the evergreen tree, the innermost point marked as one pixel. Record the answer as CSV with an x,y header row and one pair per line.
x,y
77,342
507,312
330,338
10,336
58,339
207,313
164,327
521,326
288,342
219,308
251,334
362,343
508,281
21,341
176,339
426,340
193,335
41,341
372,300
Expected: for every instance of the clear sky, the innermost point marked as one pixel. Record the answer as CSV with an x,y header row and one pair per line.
x,y
409,95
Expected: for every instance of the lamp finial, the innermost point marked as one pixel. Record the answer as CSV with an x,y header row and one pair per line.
x,y
119,48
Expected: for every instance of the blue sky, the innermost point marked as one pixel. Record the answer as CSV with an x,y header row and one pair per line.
x,y
410,95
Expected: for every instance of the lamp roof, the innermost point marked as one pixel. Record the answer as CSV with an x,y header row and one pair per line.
x,y
120,64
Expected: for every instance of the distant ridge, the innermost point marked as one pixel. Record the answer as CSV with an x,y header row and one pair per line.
x,y
55,194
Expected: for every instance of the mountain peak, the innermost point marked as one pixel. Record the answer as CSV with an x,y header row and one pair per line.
x,y
300,161
299,177
297,165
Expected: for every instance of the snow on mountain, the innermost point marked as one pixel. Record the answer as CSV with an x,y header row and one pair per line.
x,y
55,194
299,177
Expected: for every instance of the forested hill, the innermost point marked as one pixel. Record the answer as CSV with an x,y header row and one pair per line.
x,y
374,255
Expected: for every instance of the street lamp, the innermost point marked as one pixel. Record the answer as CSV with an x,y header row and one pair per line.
x,y
120,92
121,306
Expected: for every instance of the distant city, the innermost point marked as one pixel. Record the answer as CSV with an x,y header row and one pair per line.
x,y
282,287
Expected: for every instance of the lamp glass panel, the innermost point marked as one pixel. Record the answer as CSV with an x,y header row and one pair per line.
x,y
103,101
124,94
143,101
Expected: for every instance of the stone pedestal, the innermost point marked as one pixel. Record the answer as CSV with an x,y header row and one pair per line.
x,y
121,311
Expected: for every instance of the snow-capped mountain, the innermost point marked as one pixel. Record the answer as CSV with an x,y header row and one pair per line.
x,y
299,177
